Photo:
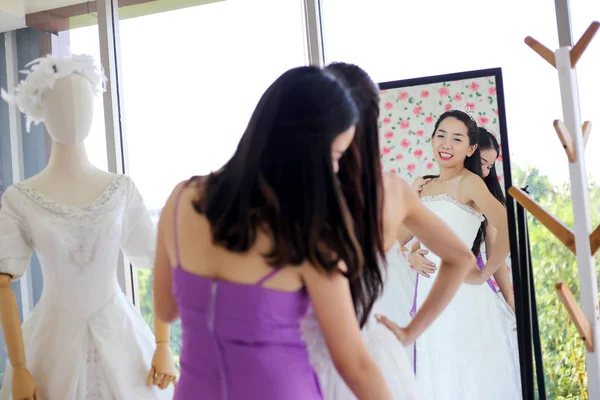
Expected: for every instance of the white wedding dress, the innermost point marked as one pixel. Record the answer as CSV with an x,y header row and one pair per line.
x,y
84,339
470,351
391,357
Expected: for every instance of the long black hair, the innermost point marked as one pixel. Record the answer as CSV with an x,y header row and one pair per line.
x,y
487,141
472,163
281,177
362,184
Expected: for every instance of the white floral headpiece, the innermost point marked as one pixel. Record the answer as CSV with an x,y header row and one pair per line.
x,y
43,73
463,108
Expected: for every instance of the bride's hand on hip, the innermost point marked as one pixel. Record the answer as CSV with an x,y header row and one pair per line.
x,y
402,334
418,261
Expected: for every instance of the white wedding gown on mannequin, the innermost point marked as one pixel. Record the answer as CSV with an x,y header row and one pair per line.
x,y
391,357
84,339
470,351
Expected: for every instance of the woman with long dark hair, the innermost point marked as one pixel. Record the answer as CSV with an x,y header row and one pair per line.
x,y
459,356
242,253
382,204
489,150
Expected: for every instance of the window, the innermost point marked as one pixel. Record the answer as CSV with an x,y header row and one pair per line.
x,y
191,78
395,40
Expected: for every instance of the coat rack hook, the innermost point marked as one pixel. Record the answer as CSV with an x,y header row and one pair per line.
x,y
587,129
581,323
584,41
595,240
565,139
542,50
557,228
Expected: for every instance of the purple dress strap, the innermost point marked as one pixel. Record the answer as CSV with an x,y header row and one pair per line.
x,y
268,276
413,311
489,281
176,227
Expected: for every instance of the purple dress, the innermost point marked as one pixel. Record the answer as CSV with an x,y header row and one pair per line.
x,y
241,341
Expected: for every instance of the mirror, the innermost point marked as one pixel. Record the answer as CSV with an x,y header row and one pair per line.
x,y
424,133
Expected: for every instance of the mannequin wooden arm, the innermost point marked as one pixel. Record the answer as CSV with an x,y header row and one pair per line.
x,y
23,385
11,324
581,323
162,331
163,371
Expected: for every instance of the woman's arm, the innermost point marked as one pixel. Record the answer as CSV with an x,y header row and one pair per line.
x,y
332,303
495,213
501,275
457,258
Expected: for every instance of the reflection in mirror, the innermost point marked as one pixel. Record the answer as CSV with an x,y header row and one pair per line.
x,y
443,136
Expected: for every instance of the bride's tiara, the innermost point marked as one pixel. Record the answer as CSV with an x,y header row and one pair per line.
x,y
43,74
463,108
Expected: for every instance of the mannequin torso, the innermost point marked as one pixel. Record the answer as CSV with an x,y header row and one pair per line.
x,y
84,338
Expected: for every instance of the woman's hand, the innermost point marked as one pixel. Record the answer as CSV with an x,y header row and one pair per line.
x,y
418,261
402,334
418,183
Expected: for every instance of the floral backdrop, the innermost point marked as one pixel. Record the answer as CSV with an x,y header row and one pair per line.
x,y
408,116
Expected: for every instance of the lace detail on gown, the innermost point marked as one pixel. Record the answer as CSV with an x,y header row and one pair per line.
x,y
96,386
450,199
59,208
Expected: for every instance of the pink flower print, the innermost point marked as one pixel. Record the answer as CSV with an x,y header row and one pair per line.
x,y
393,170
499,179
383,91
429,165
499,158
443,91
405,143
448,107
474,86
457,97
418,153
483,120
404,124
389,135
411,168
399,157
388,105
470,106
420,133
429,120
417,110
386,150
403,96
492,90
496,112
424,94
386,120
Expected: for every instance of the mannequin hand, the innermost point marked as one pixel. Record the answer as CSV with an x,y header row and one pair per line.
x,y
402,334
418,184
23,385
418,261
163,370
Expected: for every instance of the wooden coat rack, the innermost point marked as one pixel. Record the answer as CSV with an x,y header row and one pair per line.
x,y
584,243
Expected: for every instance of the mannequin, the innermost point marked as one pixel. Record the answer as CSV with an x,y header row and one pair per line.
x,y
82,317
